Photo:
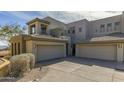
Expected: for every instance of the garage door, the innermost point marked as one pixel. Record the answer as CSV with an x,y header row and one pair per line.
x,y
106,52
46,52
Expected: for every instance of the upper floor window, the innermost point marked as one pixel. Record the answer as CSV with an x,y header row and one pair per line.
x,y
62,34
43,29
80,29
117,26
69,31
109,27
72,29
102,28
96,30
32,29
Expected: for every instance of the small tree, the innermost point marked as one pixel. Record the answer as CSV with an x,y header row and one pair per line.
x,y
9,30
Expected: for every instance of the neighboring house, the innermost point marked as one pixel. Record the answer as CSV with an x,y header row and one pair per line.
x,y
100,39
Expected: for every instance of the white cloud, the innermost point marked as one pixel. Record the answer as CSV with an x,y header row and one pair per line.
x,y
3,43
69,16
92,15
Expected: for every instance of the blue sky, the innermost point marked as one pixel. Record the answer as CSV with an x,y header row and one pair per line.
x,y
22,17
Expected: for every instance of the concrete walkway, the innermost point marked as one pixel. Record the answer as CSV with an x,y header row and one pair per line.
x,y
74,69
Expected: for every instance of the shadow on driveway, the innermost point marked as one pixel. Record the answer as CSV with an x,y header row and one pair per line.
x,y
84,61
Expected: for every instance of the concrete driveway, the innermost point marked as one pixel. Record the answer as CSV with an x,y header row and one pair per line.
x,y
74,69
85,70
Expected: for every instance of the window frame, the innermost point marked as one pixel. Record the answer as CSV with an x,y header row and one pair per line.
x,y
80,29
109,27
102,26
115,26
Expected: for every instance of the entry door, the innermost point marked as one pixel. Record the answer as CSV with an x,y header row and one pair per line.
x,y
73,50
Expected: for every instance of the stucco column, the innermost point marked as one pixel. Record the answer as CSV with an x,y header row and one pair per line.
x,y
120,52
77,50
37,28
29,29
47,30
65,50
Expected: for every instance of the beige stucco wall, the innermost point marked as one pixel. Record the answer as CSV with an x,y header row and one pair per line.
x,y
78,36
34,46
29,46
104,51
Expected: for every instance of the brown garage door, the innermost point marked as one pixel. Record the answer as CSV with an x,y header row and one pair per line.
x,y
106,52
46,52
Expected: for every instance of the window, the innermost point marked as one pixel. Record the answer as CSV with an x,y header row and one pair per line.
x,y
102,28
18,48
96,30
109,27
117,26
15,48
32,29
72,29
61,34
43,29
80,29
69,31
12,49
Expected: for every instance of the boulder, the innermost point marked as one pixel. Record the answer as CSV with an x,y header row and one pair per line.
x,y
21,64
4,67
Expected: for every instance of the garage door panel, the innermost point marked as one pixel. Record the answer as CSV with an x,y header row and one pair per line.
x,y
46,52
107,52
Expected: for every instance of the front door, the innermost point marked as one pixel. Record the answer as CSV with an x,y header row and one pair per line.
x,y
73,50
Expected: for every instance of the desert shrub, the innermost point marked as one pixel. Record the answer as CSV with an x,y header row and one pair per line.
x,y
21,64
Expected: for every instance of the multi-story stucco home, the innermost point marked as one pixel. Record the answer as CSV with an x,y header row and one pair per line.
x,y
49,38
